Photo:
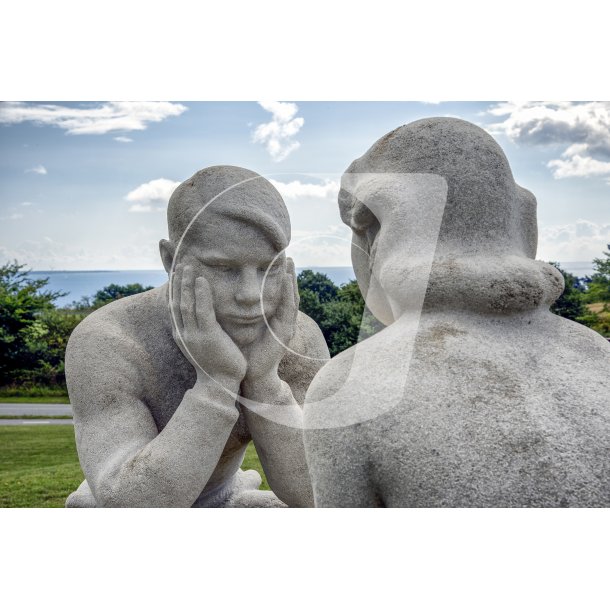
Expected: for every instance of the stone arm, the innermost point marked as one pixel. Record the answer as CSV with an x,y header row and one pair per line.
x,y
276,423
276,427
126,460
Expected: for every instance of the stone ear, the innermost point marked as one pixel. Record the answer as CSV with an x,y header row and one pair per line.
x,y
167,250
528,224
355,213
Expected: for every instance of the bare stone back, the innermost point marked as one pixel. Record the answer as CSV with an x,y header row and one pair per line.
x,y
494,401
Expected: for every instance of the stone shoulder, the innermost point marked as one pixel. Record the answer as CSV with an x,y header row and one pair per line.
x,y
108,337
331,377
99,326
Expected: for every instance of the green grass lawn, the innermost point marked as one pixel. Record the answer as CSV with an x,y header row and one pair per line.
x,y
251,462
55,400
39,465
15,392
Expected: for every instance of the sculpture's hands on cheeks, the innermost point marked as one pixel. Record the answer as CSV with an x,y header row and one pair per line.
x,y
265,356
199,335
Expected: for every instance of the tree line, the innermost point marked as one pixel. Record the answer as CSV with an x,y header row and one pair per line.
x,y
34,332
587,300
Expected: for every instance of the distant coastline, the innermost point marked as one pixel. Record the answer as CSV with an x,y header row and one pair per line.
x,y
570,266
85,283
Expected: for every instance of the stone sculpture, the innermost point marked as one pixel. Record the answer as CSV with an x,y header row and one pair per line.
x,y
475,394
158,381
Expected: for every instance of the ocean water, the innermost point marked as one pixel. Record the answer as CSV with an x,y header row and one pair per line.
x,y
80,284
578,268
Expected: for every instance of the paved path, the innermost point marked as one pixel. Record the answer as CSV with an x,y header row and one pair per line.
x,y
24,408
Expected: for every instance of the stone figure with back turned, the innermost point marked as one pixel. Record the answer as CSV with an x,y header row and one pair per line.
x,y
475,394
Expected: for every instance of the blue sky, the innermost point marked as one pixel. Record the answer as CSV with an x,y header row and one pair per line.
x,y
84,185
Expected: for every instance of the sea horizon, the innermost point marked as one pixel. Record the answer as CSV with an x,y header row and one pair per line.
x,y
79,283
564,265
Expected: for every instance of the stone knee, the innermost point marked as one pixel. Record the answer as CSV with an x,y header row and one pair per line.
x,y
82,497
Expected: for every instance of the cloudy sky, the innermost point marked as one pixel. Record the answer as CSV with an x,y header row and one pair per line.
x,y
85,185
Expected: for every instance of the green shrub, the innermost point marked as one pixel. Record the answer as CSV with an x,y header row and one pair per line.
x,y
340,312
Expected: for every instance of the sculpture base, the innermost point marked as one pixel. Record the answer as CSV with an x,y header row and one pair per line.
x,y
241,491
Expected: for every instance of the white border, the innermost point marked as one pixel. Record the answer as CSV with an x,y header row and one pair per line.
x,y
319,50
241,50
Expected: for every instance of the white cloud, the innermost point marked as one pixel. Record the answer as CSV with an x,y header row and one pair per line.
x,y
151,196
138,207
39,169
278,135
580,241
123,139
36,254
91,118
583,127
578,167
140,252
296,189
319,238
328,247
26,204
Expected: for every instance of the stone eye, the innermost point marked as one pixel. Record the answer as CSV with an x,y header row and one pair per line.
x,y
221,267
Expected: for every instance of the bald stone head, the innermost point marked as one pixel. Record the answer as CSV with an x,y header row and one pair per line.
x,y
435,212
485,209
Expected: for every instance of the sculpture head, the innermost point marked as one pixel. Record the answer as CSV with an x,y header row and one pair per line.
x,y
449,181
230,224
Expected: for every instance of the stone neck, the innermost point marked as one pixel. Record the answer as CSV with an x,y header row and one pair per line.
x,y
500,285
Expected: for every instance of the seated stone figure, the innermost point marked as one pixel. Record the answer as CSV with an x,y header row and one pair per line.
x,y
157,380
475,395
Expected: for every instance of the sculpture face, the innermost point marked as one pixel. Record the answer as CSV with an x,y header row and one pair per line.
x,y
363,261
395,219
234,257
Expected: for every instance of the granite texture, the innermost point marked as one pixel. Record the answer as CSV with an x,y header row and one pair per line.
x,y
159,381
475,395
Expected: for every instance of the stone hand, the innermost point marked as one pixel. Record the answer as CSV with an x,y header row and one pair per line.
x,y
265,355
199,335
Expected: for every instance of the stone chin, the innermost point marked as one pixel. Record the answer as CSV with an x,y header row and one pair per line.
x,y
243,331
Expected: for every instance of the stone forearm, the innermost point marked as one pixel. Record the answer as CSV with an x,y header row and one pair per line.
x,y
173,468
275,422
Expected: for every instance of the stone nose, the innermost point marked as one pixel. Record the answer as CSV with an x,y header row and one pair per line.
x,y
248,291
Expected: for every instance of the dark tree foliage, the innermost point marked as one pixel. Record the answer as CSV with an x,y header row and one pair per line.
x,y
318,283
598,294
599,284
310,304
47,342
340,312
571,303
115,291
34,333
24,310
587,302
109,293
